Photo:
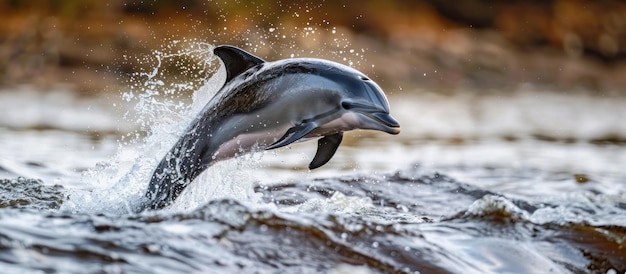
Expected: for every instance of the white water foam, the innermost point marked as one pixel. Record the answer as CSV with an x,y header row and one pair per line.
x,y
339,203
228,179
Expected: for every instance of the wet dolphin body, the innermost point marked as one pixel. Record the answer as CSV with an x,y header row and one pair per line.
x,y
267,105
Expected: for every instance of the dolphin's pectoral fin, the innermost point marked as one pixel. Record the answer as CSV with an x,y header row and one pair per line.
x,y
326,148
293,134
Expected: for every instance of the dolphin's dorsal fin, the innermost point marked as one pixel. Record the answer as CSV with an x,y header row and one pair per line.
x,y
236,60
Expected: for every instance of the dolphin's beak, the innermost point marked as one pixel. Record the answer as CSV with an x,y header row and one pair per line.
x,y
379,121
390,124
373,117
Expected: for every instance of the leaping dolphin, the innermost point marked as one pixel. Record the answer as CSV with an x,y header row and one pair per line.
x,y
267,105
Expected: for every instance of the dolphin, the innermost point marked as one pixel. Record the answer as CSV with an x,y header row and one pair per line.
x,y
266,105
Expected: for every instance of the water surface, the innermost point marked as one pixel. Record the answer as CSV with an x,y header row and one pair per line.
x,y
525,181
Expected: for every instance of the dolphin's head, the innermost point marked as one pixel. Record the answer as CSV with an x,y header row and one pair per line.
x,y
362,99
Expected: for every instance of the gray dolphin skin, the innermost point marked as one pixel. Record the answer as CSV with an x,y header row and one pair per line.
x,y
267,105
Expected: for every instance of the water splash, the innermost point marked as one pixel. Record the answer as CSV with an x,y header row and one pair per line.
x,y
181,70
167,78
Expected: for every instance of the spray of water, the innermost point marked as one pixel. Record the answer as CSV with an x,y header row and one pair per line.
x,y
163,112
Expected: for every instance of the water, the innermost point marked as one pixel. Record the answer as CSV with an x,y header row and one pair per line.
x,y
527,181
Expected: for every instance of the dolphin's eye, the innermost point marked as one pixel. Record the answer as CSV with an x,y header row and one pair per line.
x,y
346,105
364,78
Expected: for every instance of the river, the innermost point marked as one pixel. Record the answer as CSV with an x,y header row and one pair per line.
x,y
524,181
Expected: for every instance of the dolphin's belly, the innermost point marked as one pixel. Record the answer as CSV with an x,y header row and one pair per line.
x,y
345,122
247,142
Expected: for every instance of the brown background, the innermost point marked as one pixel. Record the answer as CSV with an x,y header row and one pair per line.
x,y
564,45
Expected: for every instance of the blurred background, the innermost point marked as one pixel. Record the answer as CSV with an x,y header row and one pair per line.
x,y
563,45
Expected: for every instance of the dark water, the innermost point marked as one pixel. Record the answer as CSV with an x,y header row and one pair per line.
x,y
403,222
